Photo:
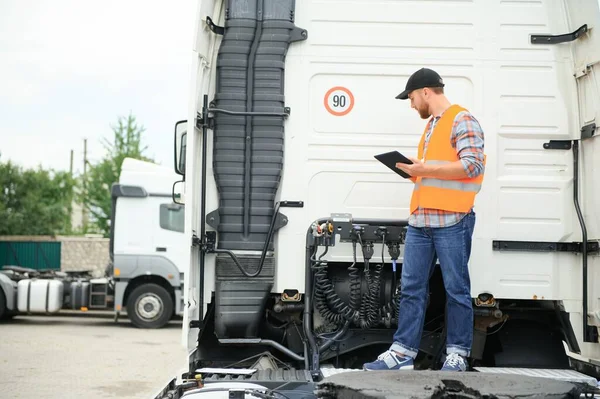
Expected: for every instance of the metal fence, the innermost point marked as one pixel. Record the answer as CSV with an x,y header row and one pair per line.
x,y
33,254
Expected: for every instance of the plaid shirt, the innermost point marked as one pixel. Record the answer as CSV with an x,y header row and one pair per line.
x,y
467,139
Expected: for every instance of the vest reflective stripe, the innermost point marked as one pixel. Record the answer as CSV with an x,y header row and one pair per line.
x,y
450,184
449,195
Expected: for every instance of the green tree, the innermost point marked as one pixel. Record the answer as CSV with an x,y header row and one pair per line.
x,y
34,201
96,185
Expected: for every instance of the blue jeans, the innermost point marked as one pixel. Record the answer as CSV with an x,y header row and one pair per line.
x,y
452,245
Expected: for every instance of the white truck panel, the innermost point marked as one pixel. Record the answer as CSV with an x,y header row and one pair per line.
x,y
524,95
521,94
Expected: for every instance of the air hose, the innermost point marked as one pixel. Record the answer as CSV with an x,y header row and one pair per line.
x,y
362,309
328,303
333,309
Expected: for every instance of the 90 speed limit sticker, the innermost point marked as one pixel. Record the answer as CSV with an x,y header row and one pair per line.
x,y
339,101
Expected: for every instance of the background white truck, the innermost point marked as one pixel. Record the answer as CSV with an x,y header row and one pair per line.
x,y
145,275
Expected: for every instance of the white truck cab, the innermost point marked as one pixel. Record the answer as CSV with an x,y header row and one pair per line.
x,y
296,225
148,259
149,254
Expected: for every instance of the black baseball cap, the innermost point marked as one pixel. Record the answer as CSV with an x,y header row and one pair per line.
x,y
424,77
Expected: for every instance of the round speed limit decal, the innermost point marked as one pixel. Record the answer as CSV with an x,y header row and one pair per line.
x,y
339,101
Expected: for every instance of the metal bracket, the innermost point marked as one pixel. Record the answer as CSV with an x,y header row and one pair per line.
x,y
209,242
216,29
213,219
583,71
196,324
284,114
196,240
588,131
558,145
556,39
280,221
539,246
200,121
291,204
298,34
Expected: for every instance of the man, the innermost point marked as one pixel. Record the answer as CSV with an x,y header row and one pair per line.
x,y
447,175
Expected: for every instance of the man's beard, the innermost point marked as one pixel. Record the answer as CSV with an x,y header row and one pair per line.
x,y
424,113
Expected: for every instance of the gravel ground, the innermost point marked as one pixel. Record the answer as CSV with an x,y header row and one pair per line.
x,y
86,356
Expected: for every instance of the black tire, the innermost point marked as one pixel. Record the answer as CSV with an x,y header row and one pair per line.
x,y
149,306
3,311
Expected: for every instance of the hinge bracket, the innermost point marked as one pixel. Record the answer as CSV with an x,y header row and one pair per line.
x,y
558,145
216,29
207,244
556,39
200,123
588,131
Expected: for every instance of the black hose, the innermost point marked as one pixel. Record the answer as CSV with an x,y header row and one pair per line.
x,y
329,304
259,341
323,289
321,303
354,275
236,261
332,308
263,254
268,240
313,353
586,330
369,314
366,312
313,363
337,336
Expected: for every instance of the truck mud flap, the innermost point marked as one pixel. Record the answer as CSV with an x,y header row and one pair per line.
x,y
240,301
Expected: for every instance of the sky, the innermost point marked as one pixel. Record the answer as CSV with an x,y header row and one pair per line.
x,y
70,68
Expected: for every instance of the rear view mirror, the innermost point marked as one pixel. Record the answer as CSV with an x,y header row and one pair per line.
x,y
178,195
180,145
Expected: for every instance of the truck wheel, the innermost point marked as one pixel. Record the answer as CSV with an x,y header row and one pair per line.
x,y
149,306
2,305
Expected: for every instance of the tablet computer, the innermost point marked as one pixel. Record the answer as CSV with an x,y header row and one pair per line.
x,y
390,159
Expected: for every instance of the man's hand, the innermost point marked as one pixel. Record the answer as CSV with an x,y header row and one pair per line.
x,y
416,169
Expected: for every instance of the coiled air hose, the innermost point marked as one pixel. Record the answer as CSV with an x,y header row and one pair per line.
x,y
365,311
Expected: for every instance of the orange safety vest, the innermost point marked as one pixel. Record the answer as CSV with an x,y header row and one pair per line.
x,y
457,195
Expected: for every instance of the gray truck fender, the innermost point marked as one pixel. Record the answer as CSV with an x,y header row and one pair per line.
x,y
132,266
10,289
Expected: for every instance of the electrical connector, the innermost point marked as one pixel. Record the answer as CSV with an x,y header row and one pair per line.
x,y
368,250
394,250
381,231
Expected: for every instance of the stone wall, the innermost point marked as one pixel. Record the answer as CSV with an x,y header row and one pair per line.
x,y
84,253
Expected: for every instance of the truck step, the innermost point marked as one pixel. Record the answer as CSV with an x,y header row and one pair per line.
x,y
555,374
328,371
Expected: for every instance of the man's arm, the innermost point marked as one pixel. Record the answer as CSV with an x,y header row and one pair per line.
x,y
468,139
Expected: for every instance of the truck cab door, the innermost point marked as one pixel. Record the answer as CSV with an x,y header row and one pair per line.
x,y
585,49
576,43
168,240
